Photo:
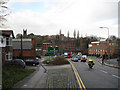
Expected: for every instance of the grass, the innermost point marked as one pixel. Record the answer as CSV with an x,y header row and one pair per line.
x,y
48,59
11,74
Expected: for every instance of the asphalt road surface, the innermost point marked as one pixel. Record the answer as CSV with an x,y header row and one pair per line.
x,y
100,76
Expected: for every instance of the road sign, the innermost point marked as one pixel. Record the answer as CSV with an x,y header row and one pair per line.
x,y
56,50
50,50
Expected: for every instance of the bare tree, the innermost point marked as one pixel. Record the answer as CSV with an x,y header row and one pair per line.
x,y
3,12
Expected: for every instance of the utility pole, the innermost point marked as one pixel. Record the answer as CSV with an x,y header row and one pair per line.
x,y
21,55
108,43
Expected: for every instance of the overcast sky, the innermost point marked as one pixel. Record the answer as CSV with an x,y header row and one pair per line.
x,y
47,17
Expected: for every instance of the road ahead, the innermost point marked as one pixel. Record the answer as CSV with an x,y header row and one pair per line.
x,y
99,76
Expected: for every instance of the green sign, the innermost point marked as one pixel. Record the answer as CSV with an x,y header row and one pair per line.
x,y
50,50
56,50
63,51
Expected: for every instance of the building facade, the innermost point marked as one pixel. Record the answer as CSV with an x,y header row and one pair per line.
x,y
101,47
6,37
64,46
24,48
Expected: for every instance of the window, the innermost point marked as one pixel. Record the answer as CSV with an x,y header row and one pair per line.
x,y
8,56
8,41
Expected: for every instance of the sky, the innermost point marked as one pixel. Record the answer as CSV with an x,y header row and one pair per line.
x,y
47,17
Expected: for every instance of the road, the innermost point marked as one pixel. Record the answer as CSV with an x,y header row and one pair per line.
x,y
99,76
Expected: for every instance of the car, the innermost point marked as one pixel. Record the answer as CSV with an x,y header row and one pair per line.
x,y
18,62
31,62
75,59
83,58
118,59
78,57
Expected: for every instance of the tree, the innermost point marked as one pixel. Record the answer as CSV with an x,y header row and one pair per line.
x,y
3,12
112,37
74,33
78,34
68,34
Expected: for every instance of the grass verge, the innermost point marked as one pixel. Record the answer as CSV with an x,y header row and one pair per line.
x,y
11,74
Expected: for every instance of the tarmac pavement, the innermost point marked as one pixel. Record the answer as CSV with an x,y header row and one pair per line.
x,y
110,62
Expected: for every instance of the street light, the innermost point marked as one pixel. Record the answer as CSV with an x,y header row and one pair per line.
x,y
108,43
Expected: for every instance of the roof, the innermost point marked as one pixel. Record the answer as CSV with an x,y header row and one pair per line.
x,y
26,44
8,33
97,42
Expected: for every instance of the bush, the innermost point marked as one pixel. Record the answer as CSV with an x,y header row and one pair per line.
x,y
59,60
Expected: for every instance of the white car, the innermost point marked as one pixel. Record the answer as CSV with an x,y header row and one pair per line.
x,y
75,59
83,58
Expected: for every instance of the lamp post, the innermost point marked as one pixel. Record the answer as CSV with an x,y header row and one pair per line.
x,y
108,43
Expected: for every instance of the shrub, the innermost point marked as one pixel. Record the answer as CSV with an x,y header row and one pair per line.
x,y
59,60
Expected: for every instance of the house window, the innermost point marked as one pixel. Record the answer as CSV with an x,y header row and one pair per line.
x,y
8,41
8,56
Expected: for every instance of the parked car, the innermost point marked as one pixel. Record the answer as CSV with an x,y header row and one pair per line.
x,y
31,62
83,58
19,62
75,59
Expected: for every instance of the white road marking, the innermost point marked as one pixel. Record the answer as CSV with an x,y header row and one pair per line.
x,y
103,71
25,85
116,76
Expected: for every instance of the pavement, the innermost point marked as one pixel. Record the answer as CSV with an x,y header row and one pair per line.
x,y
110,62
58,76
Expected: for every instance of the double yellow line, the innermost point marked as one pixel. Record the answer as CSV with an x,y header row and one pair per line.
x,y
81,85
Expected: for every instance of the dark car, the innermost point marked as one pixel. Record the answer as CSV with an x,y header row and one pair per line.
x,y
19,62
118,59
31,62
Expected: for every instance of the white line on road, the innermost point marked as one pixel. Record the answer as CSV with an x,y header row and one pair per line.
x,y
116,76
103,71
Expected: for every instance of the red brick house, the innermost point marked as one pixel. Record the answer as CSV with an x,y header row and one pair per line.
x,y
6,47
28,49
100,47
